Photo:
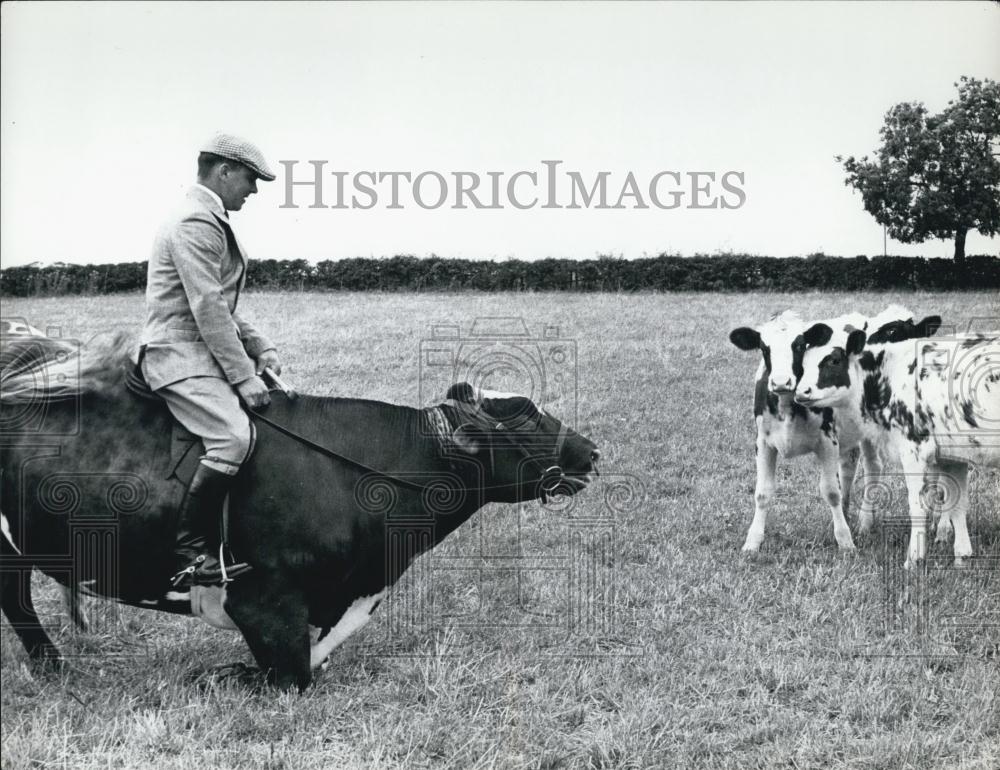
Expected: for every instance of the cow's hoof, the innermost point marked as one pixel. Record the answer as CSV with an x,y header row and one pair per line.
x,y
241,674
47,662
289,682
750,548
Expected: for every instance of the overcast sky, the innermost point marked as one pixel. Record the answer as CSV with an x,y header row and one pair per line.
x,y
105,105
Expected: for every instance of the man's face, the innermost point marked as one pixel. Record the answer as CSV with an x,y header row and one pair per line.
x,y
236,182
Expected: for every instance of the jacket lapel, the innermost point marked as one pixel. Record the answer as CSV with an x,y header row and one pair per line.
x,y
210,205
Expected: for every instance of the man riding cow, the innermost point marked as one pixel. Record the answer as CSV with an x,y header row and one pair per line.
x,y
198,352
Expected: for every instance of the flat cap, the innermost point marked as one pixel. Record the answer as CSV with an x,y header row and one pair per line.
x,y
239,149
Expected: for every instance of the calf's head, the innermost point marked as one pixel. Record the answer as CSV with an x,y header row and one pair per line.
x,y
780,344
525,452
831,370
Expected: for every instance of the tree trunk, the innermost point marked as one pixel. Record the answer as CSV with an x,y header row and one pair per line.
x,y
960,245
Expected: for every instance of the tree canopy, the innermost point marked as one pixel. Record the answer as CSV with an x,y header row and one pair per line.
x,y
936,176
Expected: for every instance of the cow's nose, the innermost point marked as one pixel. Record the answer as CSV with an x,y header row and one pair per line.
x,y
595,455
806,391
786,385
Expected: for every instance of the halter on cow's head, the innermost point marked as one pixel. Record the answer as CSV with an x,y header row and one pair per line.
x,y
526,452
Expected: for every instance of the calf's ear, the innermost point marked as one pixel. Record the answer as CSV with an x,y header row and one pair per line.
x,y
462,391
856,342
929,326
817,334
745,338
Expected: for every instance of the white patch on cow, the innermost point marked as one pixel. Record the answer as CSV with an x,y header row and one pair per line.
x,y
5,527
207,603
356,616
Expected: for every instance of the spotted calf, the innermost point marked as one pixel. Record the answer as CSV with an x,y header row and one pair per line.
x,y
788,429
933,403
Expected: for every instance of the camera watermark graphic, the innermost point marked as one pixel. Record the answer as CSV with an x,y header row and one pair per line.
x,y
550,185
38,367
959,376
520,539
68,526
501,354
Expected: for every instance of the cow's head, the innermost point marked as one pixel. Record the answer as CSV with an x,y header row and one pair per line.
x,y
525,451
831,371
779,344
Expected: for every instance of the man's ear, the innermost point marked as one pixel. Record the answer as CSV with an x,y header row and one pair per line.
x,y
465,439
856,342
745,338
462,391
929,326
817,334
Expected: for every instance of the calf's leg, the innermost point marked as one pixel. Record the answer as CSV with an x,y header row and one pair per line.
x,y
767,458
829,489
954,480
918,476
871,485
848,467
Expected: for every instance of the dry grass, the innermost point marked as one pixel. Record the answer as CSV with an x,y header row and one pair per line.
x,y
798,657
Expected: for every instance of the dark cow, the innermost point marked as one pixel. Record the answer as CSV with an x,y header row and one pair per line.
x,y
321,512
10,355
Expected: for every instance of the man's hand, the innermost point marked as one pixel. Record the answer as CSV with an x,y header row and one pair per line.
x,y
253,391
268,358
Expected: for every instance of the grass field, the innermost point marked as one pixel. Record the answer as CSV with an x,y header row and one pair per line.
x,y
692,654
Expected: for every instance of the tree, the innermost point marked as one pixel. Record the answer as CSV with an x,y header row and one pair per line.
x,y
936,176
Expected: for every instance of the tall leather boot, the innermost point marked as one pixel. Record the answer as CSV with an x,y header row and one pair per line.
x,y
200,510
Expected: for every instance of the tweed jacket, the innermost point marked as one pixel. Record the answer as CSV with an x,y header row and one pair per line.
x,y
193,283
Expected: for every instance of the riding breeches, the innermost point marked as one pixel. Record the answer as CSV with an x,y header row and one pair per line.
x,y
210,409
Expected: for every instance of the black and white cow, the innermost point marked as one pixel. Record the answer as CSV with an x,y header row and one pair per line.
x,y
934,403
789,429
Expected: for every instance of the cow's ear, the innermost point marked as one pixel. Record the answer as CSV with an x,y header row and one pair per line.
x,y
817,334
462,391
745,338
929,326
465,439
856,342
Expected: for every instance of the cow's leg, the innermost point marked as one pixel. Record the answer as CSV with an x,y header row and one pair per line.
x,y
15,599
872,478
71,598
829,489
273,617
848,467
354,618
767,458
955,476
